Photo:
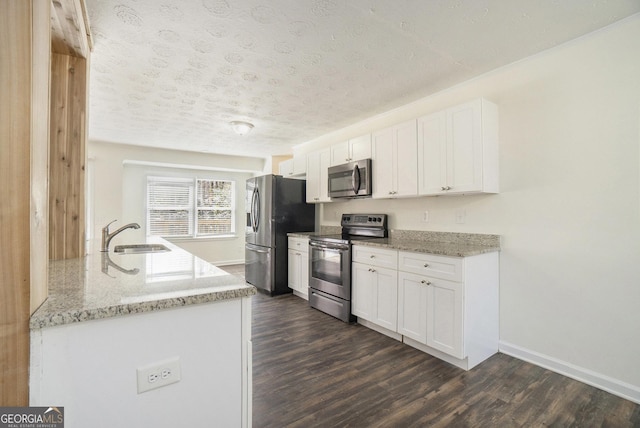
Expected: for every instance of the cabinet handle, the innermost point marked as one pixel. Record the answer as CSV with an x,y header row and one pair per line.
x,y
426,265
425,282
298,254
443,188
371,270
372,256
316,199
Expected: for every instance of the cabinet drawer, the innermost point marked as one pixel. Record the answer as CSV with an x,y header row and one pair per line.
x,y
299,244
375,256
449,268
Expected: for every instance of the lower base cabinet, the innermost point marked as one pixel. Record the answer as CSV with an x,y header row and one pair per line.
x,y
298,265
445,306
432,312
375,294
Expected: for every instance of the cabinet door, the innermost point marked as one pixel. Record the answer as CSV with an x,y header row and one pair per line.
x,y
382,163
445,317
362,291
304,273
285,168
317,176
464,147
432,154
394,152
406,159
324,159
412,306
339,153
360,147
386,298
299,165
313,177
293,280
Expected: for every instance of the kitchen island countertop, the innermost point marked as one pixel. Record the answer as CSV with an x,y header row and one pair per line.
x,y
104,285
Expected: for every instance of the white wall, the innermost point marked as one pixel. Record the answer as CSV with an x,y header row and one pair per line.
x,y
569,206
117,191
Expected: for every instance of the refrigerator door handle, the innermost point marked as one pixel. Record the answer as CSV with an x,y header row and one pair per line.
x,y
255,250
255,209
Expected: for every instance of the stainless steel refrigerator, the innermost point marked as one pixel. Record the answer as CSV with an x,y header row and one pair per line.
x,y
275,206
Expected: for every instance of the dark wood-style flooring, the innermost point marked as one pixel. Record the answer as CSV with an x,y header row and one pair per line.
x,y
311,370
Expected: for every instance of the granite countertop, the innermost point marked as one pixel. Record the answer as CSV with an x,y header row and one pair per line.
x,y
104,285
440,243
451,244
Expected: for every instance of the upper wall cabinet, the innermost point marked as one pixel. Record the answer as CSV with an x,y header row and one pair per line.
x,y
458,150
352,150
317,178
285,168
299,165
394,152
294,167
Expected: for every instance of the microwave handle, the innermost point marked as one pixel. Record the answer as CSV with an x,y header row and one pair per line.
x,y
355,179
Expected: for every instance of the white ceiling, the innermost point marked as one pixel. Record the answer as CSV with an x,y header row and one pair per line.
x,y
174,73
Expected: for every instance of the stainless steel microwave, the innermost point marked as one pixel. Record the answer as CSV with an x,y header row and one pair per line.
x,y
350,180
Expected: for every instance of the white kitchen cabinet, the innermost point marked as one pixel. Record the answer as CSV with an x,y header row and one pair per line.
x,y
285,168
430,312
412,306
317,178
394,153
355,149
298,273
299,165
375,286
449,310
444,306
458,150
294,167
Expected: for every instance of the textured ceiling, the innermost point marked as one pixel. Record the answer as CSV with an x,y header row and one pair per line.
x,y
174,73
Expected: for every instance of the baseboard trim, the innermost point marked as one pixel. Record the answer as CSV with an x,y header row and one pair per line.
x,y
598,380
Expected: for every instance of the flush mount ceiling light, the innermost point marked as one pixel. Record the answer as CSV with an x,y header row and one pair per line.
x,y
240,127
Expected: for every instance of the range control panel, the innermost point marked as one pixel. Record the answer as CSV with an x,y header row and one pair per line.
x,y
364,220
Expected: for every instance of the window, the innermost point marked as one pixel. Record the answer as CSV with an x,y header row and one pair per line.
x,y
185,207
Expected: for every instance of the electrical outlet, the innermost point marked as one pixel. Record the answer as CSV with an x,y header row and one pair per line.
x,y
158,374
461,216
425,217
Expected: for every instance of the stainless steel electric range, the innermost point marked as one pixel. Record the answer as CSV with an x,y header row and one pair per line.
x,y
330,263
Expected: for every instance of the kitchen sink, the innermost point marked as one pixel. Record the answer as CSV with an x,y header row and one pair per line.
x,y
140,248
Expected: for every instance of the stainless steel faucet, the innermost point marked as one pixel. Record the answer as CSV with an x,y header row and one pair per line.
x,y
107,237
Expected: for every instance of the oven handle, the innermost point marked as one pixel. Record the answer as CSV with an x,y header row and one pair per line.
x,y
324,245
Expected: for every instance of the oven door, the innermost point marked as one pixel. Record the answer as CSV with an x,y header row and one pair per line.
x,y
330,269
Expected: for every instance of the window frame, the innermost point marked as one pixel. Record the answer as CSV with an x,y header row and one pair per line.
x,y
193,209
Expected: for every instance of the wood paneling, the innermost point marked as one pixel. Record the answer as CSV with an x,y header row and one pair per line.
x,y
67,156
24,49
40,153
310,369
70,33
